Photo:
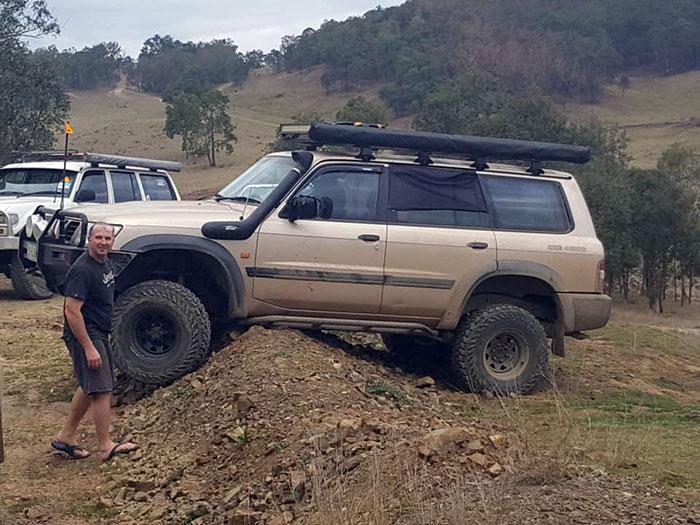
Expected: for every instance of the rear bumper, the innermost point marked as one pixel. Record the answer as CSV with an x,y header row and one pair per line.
x,y
584,311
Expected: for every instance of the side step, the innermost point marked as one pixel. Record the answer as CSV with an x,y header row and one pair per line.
x,y
343,325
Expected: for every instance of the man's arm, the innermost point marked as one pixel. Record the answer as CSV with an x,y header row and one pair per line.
x,y
76,322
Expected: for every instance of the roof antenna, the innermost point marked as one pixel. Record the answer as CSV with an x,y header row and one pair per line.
x,y
69,131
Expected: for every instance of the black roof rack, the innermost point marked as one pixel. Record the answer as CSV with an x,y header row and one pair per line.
x,y
48,155
478,149
96,159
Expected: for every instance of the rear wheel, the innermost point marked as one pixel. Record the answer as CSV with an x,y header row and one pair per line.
x,y
502,349
30,285
161,331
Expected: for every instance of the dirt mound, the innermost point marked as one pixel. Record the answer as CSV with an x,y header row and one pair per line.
x,y
280,426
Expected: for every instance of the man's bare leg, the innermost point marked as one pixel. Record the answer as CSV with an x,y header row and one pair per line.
x,y
102,415
67,439
78,406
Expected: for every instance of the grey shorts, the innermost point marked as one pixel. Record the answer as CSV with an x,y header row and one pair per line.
x,y
92,381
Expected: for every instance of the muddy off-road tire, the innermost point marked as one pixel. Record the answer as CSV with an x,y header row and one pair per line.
x,y
28,286
501,349
160,332
412,345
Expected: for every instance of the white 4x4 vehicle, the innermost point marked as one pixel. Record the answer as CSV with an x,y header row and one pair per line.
x,y
38,180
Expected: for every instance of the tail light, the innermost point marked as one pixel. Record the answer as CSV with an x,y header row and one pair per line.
x,y
600,283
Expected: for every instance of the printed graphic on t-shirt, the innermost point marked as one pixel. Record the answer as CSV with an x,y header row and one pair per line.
x,y
108,279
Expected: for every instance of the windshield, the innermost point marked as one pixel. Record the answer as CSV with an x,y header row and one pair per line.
x,y
258,181
34,181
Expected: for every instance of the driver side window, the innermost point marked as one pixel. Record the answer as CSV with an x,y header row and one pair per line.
x,y
354,193
96,182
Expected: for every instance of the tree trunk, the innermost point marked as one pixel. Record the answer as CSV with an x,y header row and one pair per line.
x,y
682,289
662,283
675,282
213,150
690,285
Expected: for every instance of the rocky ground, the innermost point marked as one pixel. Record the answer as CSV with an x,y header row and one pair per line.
x,y
282,427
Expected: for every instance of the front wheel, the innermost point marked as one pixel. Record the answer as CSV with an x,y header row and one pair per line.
x,y
502,349
28,285
161,331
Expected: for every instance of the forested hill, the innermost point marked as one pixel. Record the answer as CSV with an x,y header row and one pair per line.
x,y
563,48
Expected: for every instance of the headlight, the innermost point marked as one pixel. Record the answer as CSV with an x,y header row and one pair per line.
x,y
14,219
4,225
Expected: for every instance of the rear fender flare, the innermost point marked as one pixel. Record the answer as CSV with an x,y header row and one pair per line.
x,y
517,268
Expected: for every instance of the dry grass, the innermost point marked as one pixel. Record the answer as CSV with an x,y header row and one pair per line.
x,y
135,125
654,111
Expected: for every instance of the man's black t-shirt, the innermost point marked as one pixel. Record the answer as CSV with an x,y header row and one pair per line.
x,y
93,283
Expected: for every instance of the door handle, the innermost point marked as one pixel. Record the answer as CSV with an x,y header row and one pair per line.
x,y
478,245
368,237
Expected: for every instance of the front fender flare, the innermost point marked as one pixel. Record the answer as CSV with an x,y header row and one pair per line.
x,y
234,278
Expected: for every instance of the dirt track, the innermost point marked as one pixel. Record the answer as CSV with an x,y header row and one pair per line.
x,y
281,427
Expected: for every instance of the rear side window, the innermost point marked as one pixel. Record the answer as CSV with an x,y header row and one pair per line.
x,y
430,196
527,204
125,187
157,188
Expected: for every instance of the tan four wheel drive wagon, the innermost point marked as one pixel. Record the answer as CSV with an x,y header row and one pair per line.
x,y
432,245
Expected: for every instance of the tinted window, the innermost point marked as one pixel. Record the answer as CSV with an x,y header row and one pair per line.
x,y
354,193
527,204
423,195
125,187
157,188
96,182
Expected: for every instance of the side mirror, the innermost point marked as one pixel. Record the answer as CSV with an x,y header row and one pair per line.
x,y
304,207
85,195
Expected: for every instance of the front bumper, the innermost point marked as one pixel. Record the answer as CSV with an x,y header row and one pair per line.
x,y
61,244
9,244
54,260
584,311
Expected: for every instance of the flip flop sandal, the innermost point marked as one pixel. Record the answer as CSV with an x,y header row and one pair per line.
x,y
71,450
115,452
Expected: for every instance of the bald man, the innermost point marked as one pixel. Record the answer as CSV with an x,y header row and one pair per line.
x,y
88,306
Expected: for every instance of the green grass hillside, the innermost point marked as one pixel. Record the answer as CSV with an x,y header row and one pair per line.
x,y
655,112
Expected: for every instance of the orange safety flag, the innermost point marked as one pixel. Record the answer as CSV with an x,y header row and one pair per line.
x,y
69,128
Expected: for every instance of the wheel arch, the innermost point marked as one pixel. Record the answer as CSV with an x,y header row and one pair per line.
x,y
530,285
185,258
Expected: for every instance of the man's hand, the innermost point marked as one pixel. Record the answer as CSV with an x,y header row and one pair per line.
x,y
93,358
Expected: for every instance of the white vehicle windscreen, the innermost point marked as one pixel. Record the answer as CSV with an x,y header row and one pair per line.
x,y
34,181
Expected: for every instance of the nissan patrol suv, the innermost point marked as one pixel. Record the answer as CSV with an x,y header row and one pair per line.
x,y
44,179
416,236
